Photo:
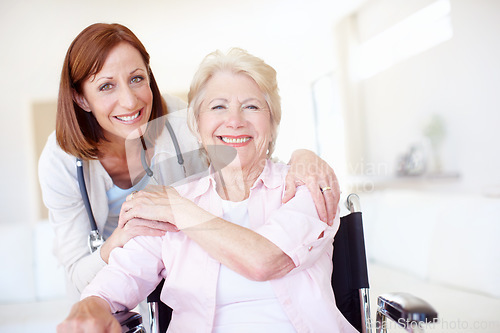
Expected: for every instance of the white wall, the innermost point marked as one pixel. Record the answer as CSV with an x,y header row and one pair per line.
x,y
293,36
457,80
436,228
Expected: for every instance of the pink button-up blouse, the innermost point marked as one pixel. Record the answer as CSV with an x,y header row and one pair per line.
x,y
191,274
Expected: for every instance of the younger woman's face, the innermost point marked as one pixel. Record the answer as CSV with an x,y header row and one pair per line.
x,y
119,95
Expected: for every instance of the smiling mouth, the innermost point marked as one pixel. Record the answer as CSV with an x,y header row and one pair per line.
x,y
234,140
128,118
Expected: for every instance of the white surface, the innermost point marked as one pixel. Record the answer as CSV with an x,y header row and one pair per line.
x,y
16,260
447,238
458,310
40,317
49,275
32,284
30,271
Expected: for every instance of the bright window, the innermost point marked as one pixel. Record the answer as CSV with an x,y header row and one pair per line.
x,y
419,32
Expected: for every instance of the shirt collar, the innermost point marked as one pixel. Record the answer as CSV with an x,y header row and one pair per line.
x,y
268,178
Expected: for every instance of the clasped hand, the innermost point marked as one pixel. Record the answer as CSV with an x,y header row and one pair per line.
x,y
164,206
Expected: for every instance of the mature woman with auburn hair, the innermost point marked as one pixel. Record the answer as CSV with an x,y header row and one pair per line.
x,y
243,261
78,132
107,92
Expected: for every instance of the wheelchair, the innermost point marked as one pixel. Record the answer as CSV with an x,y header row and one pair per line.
x,y
349,282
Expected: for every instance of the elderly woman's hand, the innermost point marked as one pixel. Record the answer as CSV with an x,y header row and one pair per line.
x,y
162,205
90,315
308,168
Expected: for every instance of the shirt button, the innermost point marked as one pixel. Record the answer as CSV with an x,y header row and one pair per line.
x,y
310,248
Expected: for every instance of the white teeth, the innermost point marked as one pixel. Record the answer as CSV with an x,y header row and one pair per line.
x,y
128,118
234,140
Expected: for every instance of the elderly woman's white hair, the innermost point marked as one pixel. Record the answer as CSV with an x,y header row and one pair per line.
x,y
236,61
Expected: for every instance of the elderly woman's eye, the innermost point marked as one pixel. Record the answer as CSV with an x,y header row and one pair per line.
x,y
251,107
217,107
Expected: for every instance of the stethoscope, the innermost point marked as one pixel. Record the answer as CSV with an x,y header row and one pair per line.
x,y
95,238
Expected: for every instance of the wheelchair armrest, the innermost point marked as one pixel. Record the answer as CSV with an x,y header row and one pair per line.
x,y
131,322
405,309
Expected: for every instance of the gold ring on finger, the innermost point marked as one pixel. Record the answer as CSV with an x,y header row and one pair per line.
x,y
326,188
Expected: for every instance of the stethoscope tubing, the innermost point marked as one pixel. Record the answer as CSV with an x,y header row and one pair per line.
x,y
85,195
149,172
180,158
178,152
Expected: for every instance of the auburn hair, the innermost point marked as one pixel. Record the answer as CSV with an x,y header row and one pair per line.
x,y
78,133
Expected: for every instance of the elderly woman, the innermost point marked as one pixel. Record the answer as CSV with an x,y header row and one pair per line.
x,y
242,261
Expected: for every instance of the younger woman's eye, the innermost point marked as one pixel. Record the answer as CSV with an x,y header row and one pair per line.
x,y
137,79
105,87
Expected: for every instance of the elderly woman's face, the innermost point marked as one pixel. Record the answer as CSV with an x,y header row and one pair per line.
x,y
235,113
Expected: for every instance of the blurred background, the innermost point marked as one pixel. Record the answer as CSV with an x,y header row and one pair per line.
x,y
400,97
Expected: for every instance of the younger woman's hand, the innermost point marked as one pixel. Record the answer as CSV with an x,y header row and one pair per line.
x,y
307,168
133,225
